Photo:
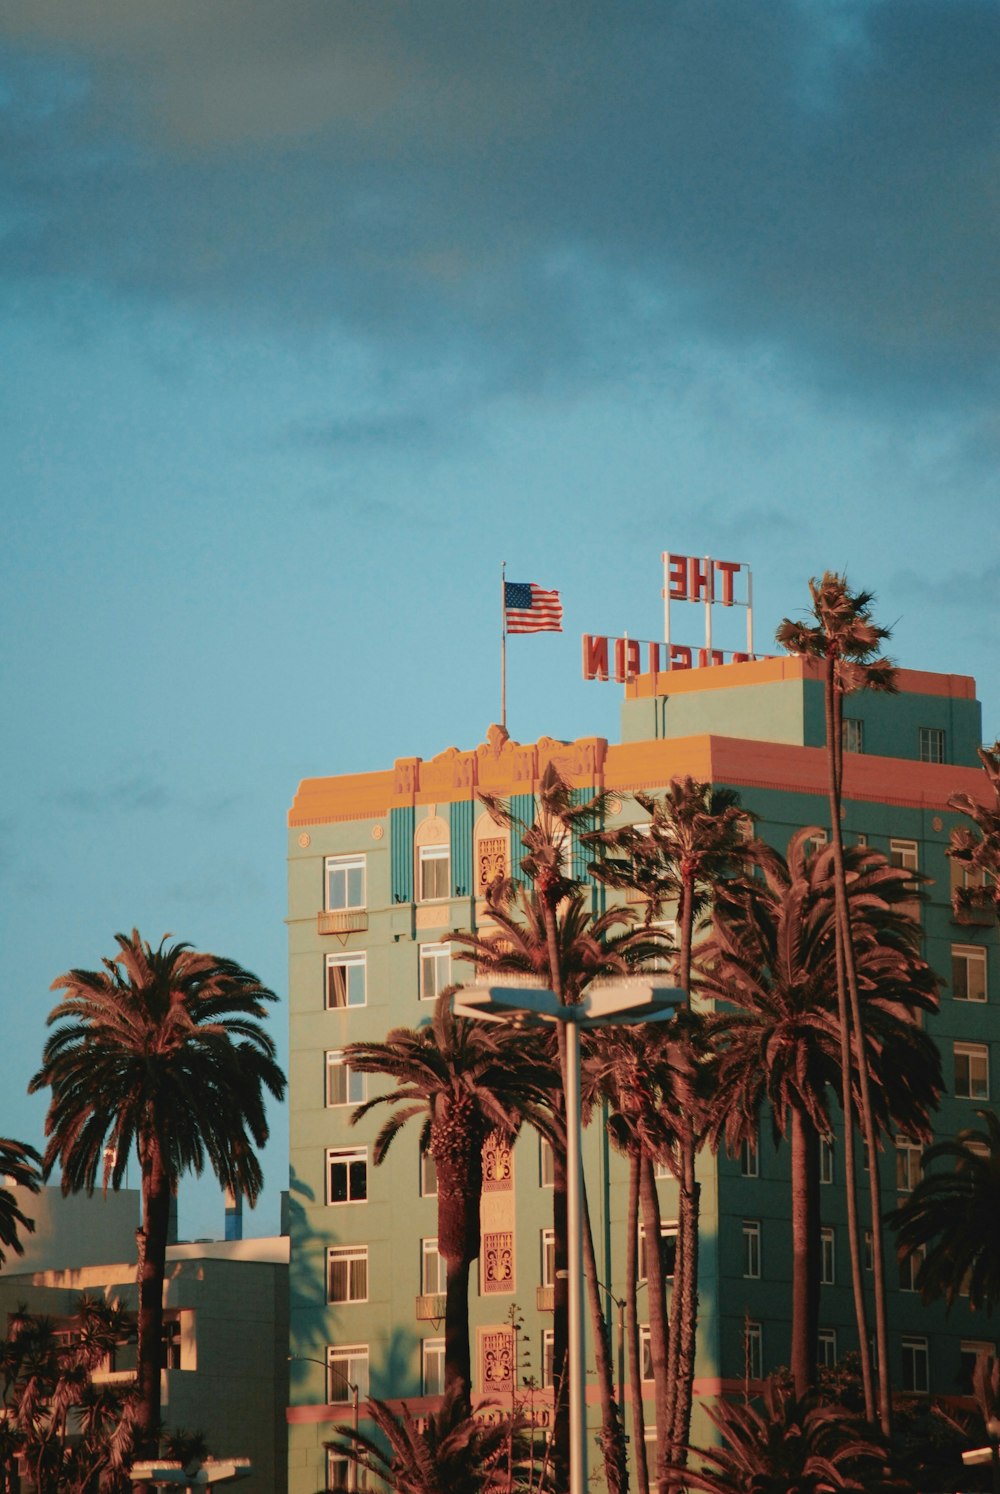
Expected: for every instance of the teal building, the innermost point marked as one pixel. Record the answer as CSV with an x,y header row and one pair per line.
x,y
384,866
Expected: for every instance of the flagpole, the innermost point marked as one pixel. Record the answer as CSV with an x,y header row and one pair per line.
x,y
503,644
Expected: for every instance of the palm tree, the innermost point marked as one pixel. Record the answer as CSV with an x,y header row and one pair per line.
x,y
19,1164
162,1050
696,836
455,1077
528,939
846,641
788,1446
953,1218
773,959
454,1453
979,853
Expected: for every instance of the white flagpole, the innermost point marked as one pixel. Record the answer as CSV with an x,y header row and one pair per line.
x,y
503,644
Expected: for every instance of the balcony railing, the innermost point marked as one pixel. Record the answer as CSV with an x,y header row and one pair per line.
x,y
430,1307
342,921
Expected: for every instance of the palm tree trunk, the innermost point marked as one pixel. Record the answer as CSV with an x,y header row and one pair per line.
x,y
457,1355
560,1228
834,768
612,1430
156,1194
867,1112
684,1306
632,1323
805,1252
657,1293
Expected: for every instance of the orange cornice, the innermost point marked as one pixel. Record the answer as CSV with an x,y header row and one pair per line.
x,y
785,667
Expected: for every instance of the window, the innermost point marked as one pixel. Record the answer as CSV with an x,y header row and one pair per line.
x,y
432,1366
345,882
346,1367
853,734
645,1351
827,1256
968,1354
344,1085
827,1347
546,1164
753,1350
930,742
869,1250
345,980
972,1071
338,1472
816,841
428,1175
432,870
171,1343
826,1168
661,1169
751,1248
433,1269
908,1157
548,1243
915,1365
968,973
749,1158
435,970
668,1249
548,1354
347,1175
909,1267
347,1273
904,853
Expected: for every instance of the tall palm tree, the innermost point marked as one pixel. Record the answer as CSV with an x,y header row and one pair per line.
x,y
696,835
455,1077
979,851
19,1164
163,1050
845,639
530,939
772,960
953,1218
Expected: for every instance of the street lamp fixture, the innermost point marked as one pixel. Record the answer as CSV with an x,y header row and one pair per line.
x,y
621,1002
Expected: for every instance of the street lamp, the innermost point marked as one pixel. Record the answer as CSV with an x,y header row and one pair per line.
x,y
355,1392
624,1002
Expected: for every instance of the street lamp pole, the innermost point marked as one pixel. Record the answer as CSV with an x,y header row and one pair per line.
x,y
613,1003
352,1472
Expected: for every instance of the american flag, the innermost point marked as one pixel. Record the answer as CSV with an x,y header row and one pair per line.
x,y
531,609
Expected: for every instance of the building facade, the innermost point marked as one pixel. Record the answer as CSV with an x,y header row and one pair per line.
x,y
384,866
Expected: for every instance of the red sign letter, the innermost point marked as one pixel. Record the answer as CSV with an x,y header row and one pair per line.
x,y
729,569
595,658
677,585
680,656
699,579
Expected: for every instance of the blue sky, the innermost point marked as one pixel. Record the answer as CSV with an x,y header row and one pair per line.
x,y
313,315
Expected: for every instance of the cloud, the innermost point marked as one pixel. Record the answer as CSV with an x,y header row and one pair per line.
x,y
970,589
523,190
138,793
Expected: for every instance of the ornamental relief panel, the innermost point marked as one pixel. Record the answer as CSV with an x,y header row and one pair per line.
x,y
498,1164
497,1254
496,1360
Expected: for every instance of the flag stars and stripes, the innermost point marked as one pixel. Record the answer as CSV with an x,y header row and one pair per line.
x,y
531,609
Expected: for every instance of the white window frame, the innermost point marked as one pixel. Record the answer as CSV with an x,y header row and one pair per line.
x,y
547,1246
346,1364
972,1052
339,1074
548,1357
433,1269
750,1158
432,956
645,1353
827,1164
908,1268
751,1233
338,1470
427,1174
931,744
344,866
432,1366
853,733
909,1156
351,1256
828,1256
827,1345
972,1348
668,1231
434,856
916,1360
348,1157
972,956
904,854
351,964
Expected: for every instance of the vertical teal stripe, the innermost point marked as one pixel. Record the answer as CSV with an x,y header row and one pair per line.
x,y
401,823
522,807
581,856
462,815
